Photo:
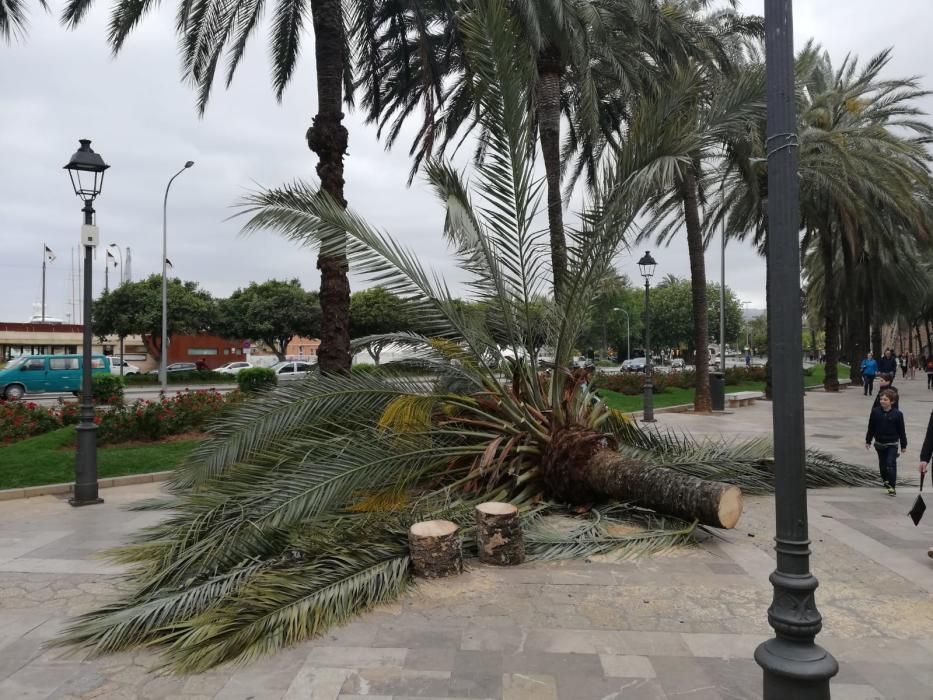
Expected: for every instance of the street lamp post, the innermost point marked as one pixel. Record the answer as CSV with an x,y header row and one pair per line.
x,y
646,266
120,253
628,333
794,665
86,169
163,352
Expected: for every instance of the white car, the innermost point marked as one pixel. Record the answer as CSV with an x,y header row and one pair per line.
x,y
233,367
128,369
287,371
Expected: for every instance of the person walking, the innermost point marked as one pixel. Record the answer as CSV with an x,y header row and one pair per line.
x,y
887,363
929,368
886,428
869,369
925,453
902,360
912,365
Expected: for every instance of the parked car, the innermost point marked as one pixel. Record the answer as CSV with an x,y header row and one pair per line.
x,y
37,374
581,362
233,367
678,363
128,369
636,364
177,367
287,371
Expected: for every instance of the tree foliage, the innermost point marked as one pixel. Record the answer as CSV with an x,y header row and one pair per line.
x,y
136,308
377,312
672,314
274,311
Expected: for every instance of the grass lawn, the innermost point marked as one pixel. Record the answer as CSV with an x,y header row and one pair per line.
x,y
50,459
819,372
669,397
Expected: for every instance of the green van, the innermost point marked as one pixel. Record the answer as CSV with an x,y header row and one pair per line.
x,y
37,374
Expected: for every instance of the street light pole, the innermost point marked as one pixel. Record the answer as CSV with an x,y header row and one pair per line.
x,y
794,665
86,169
163,351
722,301
120,253
646,266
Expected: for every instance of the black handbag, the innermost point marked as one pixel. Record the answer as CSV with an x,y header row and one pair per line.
x,y
919,507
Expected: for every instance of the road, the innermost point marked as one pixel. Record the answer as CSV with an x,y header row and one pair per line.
x,y
132,394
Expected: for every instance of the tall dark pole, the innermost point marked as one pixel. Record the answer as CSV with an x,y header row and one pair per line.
x,y
794,665
45,257
85,489
648,413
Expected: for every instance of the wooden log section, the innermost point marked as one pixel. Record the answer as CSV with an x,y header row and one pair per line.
x,y
436,549
664,490
499,534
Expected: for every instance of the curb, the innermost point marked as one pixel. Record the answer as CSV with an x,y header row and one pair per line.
x,y
58,489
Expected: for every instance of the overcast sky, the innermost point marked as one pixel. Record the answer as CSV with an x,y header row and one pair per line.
x,y
57,86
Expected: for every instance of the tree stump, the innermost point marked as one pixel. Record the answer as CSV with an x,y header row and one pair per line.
x,y
499,534
436,550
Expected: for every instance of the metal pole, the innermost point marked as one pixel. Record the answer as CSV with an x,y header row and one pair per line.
x,y
648,412
722,302
106,275
85,488
44,258
794,665
163,376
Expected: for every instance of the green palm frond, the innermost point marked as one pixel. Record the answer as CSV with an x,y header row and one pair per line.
x,y
13,22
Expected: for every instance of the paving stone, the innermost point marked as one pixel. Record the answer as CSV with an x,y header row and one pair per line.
x,y
598,688
852,691
317,683
517,686
507,639
430,659
34,681
894,681
723,646
682,677
417,637
540,663
396,681
619,666
356,657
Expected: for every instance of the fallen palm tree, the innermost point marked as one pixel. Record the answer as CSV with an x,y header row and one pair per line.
x,y
294,516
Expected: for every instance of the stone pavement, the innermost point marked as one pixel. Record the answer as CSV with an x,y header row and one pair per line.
x,y
681,625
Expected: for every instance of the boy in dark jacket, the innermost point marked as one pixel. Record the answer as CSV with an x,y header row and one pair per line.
x,y
886,427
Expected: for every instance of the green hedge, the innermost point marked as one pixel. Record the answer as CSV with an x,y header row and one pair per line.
x,y
107,388
255,379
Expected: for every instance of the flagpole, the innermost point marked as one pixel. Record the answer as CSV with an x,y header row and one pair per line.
x,y
44,256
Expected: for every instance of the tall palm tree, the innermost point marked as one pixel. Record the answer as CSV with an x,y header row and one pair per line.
x,y
13,20
591,57
208,30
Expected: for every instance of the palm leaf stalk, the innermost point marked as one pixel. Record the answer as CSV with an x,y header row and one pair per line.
x,y
293,516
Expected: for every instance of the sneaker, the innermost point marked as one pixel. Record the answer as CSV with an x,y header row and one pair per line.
x,y
930,552
890,489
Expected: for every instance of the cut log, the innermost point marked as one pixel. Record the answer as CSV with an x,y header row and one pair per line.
x,y
436,550
499,534
584,467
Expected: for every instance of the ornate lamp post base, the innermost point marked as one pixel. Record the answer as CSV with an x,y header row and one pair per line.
x,y
794,670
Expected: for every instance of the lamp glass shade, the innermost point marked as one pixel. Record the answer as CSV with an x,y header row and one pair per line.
x,y
646,266
86,169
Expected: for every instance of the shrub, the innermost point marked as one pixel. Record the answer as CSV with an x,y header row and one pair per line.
x,y
154,420
192,377
107,388
22,419
255,379
740,375
629,383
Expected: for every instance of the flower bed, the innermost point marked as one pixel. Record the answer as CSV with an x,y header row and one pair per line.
x,y
119,422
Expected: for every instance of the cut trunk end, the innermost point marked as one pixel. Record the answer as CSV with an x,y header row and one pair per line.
x,y
436,550
499,534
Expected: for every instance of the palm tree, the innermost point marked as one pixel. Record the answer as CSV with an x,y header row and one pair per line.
x,y
212,28
591,57
293,516
13,20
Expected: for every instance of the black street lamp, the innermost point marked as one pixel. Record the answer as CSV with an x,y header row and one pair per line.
x,y
86,169
794,665
646,267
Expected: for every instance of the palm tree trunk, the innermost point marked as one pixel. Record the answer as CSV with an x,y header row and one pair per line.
x,y
854,346
548,109
702,402
328,137
831,379
584,467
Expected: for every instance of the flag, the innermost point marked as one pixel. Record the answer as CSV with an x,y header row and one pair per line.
x,y
49,254
110,257
169,263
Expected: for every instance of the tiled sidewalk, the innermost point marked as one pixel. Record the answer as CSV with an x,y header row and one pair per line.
x,y
682,625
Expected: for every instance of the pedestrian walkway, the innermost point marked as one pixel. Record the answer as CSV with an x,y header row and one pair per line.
x,y
679,625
